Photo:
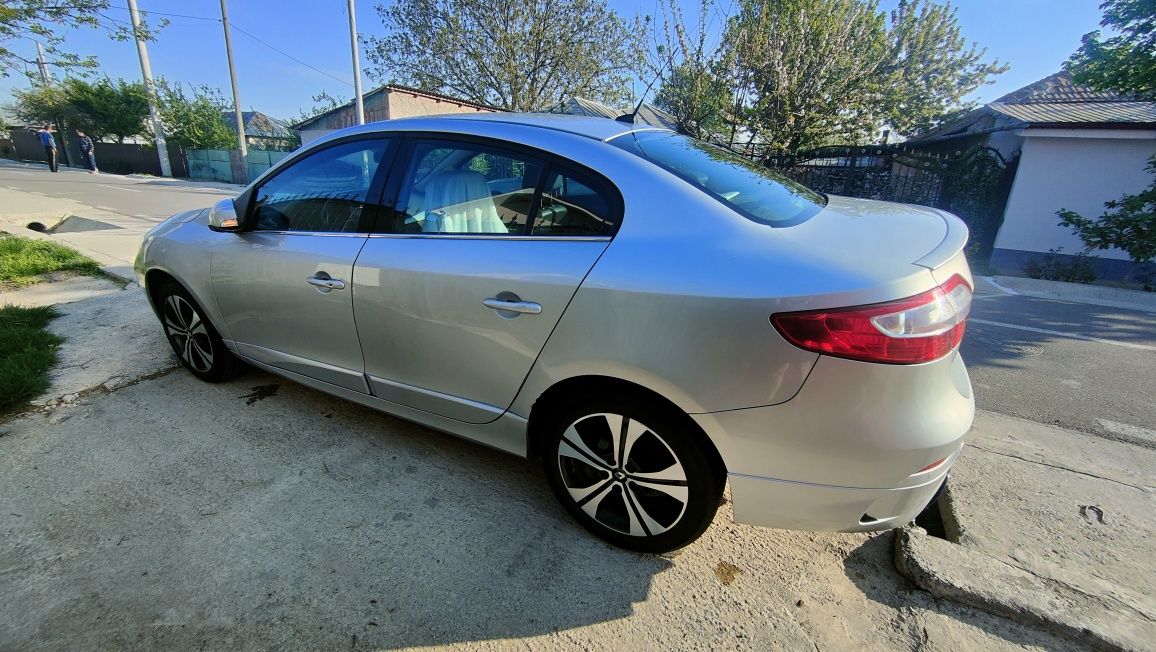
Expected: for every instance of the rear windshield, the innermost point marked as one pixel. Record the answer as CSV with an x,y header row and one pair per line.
x,y
754,191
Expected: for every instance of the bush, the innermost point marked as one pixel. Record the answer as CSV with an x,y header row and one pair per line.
x,y
1055,267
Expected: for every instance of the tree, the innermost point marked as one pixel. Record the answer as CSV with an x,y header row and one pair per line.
x,y
106,108
1126,62
931,67
1129,225
47,21
39,104
815,72
694,88
195,118
322,102
520,55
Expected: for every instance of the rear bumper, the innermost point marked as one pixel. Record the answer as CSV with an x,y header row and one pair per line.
x,y
824,508
848,452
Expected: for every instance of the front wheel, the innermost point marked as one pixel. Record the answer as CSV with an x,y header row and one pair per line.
x,y
632,473
193,338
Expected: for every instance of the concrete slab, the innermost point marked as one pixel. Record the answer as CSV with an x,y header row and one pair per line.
x,y
111,336
1055,527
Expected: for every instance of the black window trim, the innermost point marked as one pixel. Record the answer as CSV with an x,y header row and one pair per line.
x,y
373,197
404,158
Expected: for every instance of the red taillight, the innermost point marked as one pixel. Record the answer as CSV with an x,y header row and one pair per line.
x,y
921,328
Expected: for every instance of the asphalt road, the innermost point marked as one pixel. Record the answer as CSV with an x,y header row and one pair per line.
x,y
144,197
1086,367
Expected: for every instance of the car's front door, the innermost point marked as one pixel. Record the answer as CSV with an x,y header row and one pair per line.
x,y
458,293
285,284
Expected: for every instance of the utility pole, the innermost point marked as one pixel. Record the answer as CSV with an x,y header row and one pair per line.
x,y
146,71
46,79
356,66
233,77
44,76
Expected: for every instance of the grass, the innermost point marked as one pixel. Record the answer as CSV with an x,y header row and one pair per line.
x,y
27,352
23,260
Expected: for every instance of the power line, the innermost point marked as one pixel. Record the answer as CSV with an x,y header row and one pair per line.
x,y
286,54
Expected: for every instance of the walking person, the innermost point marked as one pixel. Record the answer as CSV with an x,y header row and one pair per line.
x,y
49,143
86,148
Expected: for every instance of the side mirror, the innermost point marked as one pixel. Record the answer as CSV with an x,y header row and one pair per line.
x,y
223,216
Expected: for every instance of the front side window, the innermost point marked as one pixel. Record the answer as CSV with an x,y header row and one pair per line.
x,y
752,190
325,192
462,188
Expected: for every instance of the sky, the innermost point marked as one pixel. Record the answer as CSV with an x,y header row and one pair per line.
x,y
287,51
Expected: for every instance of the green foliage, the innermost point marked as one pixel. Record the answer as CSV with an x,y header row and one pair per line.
x,y
195,118
49,21
39,104
520,55
106,108
1125,62
322,102
1055,268
809,73
1129,225
694,85
27,352
23,260
931,67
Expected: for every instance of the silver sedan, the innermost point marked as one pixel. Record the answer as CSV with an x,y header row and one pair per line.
x,y
650,316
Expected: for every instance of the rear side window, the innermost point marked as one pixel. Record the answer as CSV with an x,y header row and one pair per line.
x,y
574,204
750,189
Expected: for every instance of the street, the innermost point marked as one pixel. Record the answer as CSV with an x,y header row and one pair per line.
x,y
151,199
1096,376
160,511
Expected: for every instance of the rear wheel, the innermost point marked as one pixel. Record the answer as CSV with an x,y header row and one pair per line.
x,y
632,473
193,338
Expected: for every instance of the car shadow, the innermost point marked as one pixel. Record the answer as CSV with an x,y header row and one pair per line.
x,y
262,514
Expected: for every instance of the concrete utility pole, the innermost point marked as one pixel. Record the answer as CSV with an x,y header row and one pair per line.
x,y
356,66
44,76
233,77
146,71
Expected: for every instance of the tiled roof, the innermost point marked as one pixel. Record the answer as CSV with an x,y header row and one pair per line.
x,y
1079,112
647,113
1055,100
1059,88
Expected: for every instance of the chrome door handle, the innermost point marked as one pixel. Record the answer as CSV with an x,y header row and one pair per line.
x,y
520,307
325,283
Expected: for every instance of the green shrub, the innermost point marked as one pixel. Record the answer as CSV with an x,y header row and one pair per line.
x,y
1055,267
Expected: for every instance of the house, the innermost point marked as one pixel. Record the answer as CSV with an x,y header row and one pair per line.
x,y
386,103
262,131
1076,148
648,114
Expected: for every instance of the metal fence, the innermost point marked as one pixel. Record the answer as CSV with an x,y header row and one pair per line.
x,y
974,183
225,164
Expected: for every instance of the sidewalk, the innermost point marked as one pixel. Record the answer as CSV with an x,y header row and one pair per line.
x,y
108,238
1051,527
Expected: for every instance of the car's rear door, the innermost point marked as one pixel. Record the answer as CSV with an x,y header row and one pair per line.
x,y
285,285
458,291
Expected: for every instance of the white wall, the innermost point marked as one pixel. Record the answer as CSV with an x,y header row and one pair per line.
x,y
308,135
1076,169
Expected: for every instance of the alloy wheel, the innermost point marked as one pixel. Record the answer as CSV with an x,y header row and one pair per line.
x,y
623,474
185,327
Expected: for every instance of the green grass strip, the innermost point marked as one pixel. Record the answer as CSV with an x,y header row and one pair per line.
x,y
23,260
27,352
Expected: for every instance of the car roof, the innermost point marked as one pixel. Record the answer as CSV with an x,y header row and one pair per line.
x,y
588,126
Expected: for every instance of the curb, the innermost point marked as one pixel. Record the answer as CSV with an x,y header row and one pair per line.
x,y
1096,295
971,578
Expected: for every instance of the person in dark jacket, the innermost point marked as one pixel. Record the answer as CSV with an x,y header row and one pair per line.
x,y
49,144
86,148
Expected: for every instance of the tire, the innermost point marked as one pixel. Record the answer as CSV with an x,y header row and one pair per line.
x,y
662,498
197,344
